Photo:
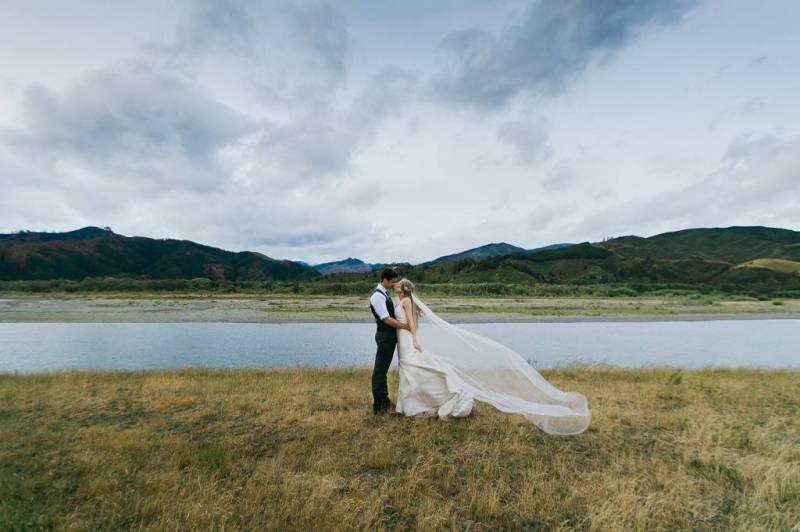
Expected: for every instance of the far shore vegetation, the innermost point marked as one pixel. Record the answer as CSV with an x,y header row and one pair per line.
x,y
125,299
344,285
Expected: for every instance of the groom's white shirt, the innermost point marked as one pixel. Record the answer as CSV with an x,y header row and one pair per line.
x,y
378,302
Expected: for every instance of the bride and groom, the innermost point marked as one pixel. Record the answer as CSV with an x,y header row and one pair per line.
x,y
444,369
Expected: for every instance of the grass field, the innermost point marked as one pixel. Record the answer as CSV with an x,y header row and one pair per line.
x,y
299,449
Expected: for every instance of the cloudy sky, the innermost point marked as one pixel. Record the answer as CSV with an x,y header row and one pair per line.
x,y
396,131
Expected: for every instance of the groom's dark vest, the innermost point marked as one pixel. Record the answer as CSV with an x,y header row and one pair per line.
x,y
390,307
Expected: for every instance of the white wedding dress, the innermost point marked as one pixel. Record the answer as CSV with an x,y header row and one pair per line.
x,y
456,367
427,385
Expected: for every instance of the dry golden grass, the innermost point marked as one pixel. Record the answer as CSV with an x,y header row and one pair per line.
x,y
299,449
780,265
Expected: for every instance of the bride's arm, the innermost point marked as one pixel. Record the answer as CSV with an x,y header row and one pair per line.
x,y
412,324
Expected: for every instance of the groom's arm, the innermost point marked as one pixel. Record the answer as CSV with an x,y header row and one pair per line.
x,y
397,324
378,302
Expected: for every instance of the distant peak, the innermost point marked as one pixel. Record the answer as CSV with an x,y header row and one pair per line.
x,y
348,260
90,231
494,249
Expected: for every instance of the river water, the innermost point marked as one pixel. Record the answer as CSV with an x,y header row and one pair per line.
x,y
36,347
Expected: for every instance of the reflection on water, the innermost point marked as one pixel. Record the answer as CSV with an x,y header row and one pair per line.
x,y
28,347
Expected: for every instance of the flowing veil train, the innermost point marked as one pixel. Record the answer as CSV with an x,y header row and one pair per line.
x,y
501,377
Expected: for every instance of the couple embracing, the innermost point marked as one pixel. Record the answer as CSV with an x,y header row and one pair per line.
x,y
444,369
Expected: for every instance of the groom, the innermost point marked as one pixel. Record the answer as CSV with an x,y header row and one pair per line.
x,y
382,307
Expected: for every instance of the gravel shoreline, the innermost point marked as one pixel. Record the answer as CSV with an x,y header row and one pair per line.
x,y
90,310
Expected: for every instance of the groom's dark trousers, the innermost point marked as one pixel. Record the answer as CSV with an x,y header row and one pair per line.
x,y
387,341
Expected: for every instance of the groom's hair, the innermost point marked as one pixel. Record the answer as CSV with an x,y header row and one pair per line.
x,y
389,273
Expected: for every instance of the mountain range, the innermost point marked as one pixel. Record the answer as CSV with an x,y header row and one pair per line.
x,y
497,249
96,252
348,265
734,255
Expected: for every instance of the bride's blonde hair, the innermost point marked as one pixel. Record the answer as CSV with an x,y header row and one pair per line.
x,y
407,288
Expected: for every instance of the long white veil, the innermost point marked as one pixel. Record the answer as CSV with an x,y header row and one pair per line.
x,y
499,376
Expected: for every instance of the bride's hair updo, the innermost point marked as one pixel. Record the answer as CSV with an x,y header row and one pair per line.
x,y
406,288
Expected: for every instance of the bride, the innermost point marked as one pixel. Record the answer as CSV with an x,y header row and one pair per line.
x,y
443,369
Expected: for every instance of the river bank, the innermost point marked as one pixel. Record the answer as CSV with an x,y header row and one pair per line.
x,y
305,309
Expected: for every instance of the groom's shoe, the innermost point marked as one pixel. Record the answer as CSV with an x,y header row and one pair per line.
x,y
391,409
386,408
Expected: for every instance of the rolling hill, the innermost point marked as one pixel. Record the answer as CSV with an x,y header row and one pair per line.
x,y
734,245
551,246
733,256
95,252
497,249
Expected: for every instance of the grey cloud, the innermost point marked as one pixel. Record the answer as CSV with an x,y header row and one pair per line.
x,y
560,176
323,141
386,92
550,43
744,149
128,123
7,85
313,218
256,125
132,121
293,54
757,177
545,216
296,50
219,24
748,108
130,145
528,138
323,28
313,146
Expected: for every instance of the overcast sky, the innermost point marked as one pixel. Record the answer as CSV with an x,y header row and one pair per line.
x,y
398,131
